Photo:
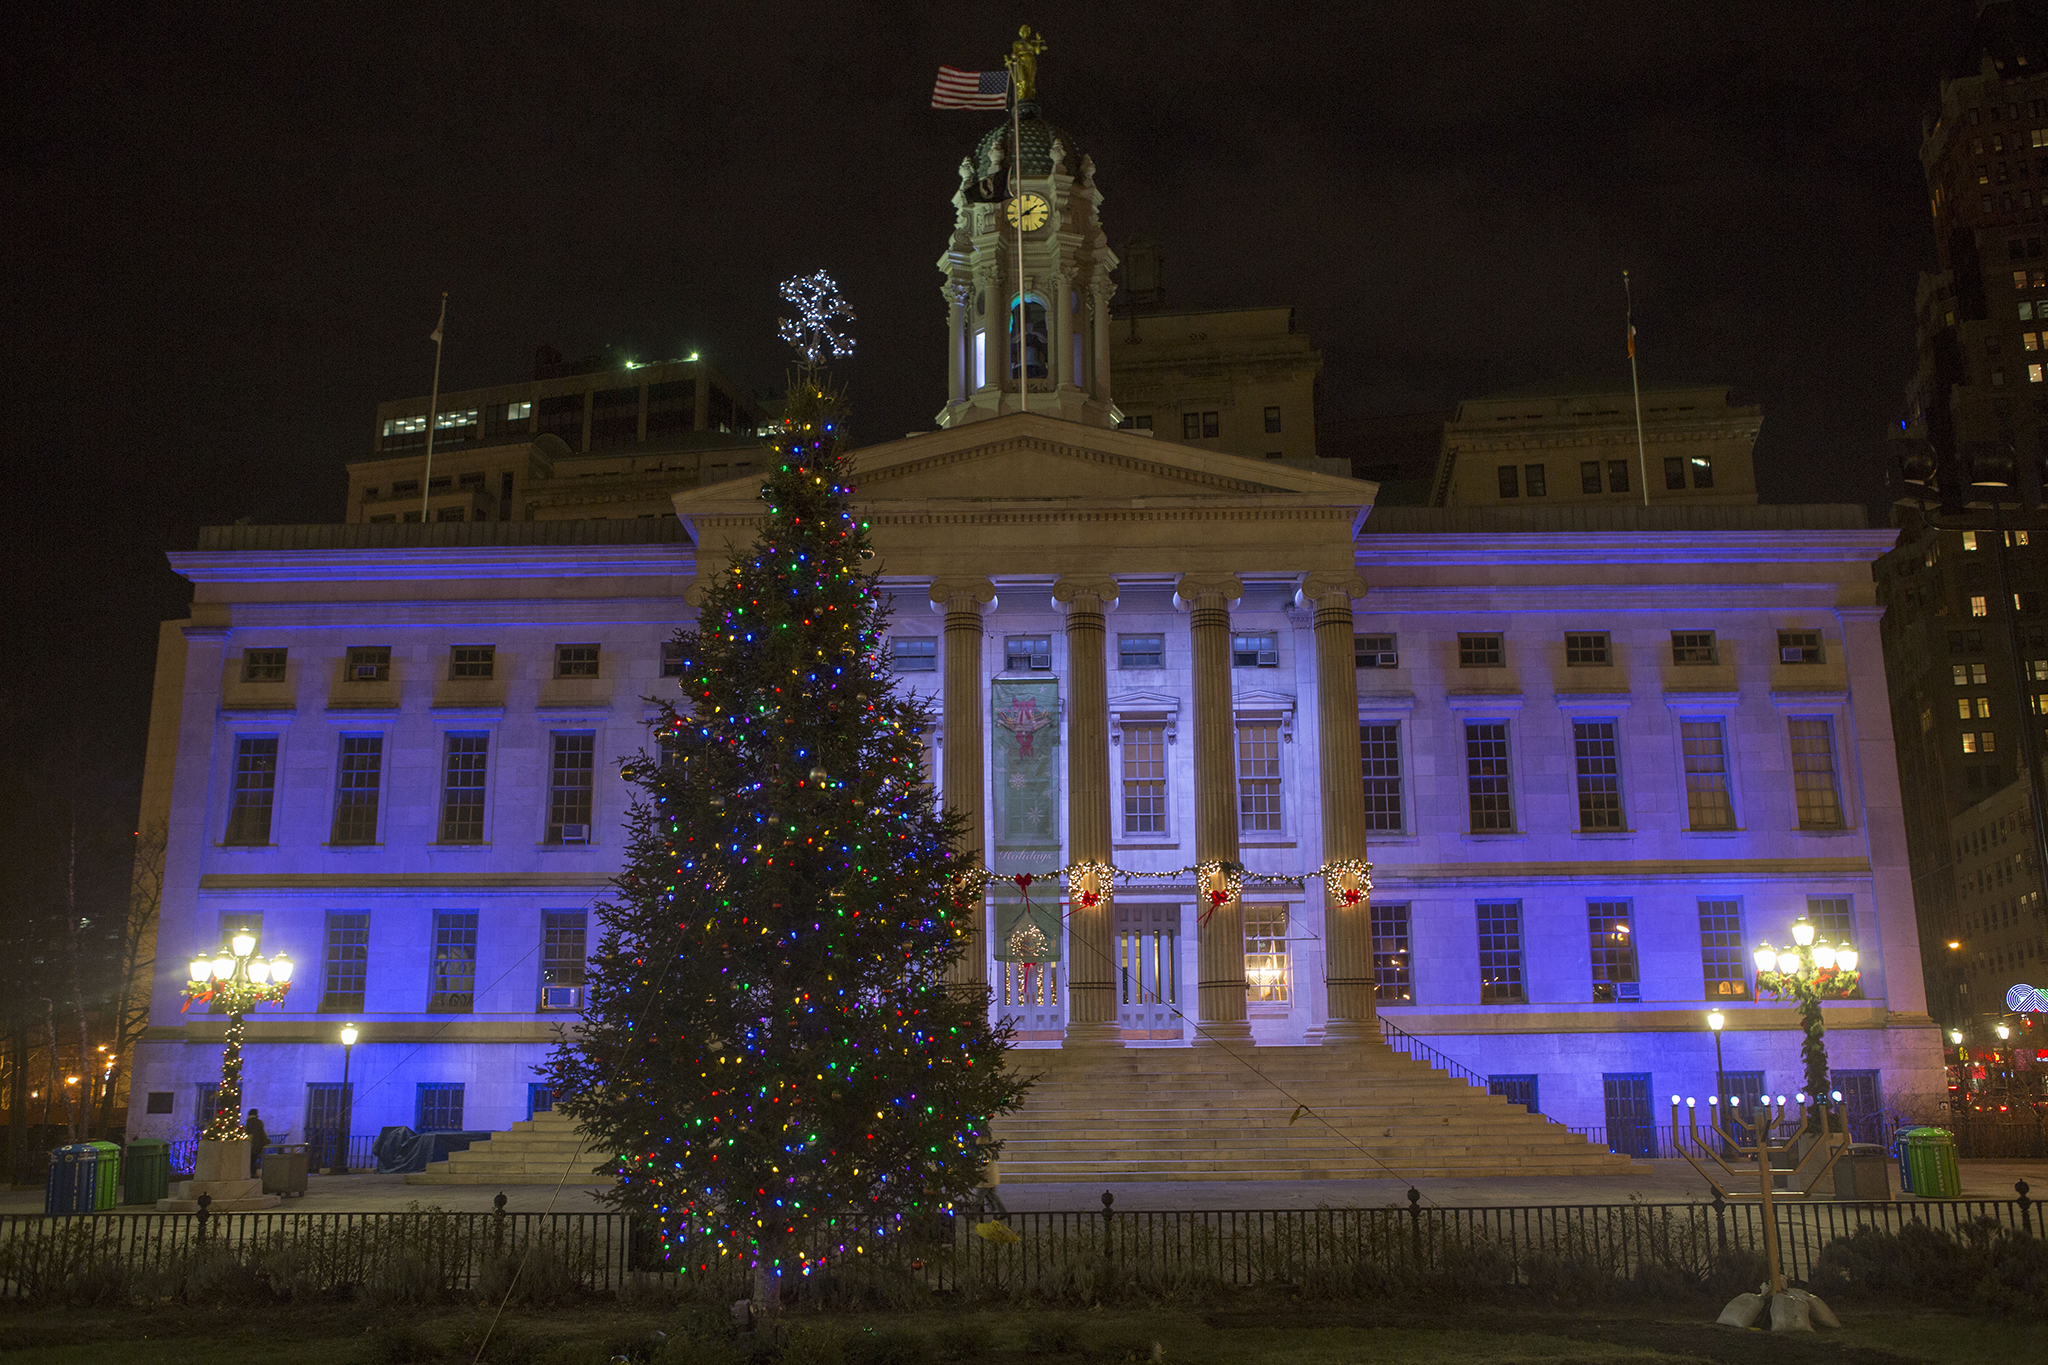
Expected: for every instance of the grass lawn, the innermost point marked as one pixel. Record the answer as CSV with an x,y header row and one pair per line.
x,y
1248,1330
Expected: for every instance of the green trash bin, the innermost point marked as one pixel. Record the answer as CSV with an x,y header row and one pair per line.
x,y
1931,1163
106,1190
146,1171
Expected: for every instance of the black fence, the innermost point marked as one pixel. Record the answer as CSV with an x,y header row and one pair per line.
x,y
2009,1136
1316,1250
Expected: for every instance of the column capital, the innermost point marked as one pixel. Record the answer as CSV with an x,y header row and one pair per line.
x,y
1076,593
1192,588
1316,587
962,594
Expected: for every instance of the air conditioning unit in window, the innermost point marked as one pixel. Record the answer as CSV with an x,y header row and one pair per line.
x,y
365,673
1385,658
575,834
1628,990
561,997
1041,662
1269,658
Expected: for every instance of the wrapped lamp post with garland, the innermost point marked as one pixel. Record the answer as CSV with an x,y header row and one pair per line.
x,y
1807,972
235,980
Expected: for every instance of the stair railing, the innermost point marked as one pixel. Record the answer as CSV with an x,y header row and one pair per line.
x,y
1400,1040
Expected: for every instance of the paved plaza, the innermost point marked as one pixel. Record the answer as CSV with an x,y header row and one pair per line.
x,y
1650,1181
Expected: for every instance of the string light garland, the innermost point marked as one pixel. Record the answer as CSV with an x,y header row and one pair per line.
x,y
235,981
770,1047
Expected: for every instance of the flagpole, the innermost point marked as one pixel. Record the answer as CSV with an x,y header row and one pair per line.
x,y
1016,187
1642,460
433,403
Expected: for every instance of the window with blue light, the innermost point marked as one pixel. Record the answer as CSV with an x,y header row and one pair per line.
x,y
255,789
358,785
345,965
438,1108
1500,953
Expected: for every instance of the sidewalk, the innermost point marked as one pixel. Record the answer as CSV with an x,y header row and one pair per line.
x,y
1654,1182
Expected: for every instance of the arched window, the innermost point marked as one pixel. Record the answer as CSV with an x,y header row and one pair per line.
x,y
1031,338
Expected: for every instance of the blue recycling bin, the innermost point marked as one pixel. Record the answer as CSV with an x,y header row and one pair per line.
x,y
73,1183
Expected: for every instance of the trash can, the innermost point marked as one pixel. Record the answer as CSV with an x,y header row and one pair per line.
x,y
146,1171
106,1190
1927,1163
73,1179
1862,1172
284,1168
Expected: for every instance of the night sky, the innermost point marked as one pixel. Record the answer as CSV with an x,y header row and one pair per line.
x,y
228,233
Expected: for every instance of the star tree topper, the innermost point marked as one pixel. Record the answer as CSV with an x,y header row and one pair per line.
x,y
819,329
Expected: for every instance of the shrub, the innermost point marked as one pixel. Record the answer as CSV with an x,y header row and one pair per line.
x,y
1982,1266
965,1339
888,1346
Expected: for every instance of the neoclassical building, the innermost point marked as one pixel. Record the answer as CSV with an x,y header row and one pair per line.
x,y
1593,753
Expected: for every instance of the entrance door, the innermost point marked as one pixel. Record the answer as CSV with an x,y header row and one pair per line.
x,y
1148,981
1032,999
1630,1128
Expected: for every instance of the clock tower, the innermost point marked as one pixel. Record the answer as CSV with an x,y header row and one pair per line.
x,y
1027,280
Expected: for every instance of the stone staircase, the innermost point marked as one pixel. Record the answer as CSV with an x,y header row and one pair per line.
x,y
545,1150
1140,1114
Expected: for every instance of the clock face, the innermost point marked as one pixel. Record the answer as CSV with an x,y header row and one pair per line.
x,y
1028,211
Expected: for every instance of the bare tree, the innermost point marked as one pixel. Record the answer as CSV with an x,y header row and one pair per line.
x,y
134,962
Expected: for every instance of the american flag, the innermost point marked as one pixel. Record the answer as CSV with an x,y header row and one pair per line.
x,y
971,89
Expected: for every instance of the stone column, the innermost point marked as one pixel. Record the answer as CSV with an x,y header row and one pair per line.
x,y
959,377
1347,929
1220,990
963,766
1099,293
1091,941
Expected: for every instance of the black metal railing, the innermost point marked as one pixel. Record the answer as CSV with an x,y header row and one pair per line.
x,y
1317,1250
1402,1041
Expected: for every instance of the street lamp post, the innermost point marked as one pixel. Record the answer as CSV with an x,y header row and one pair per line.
x,y
1717,1021
1809,971
237,980
348,1047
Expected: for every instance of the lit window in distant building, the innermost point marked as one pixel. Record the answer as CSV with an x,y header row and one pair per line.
x,y
1723,958
1818,795
1266,967
1702,471
1500,953
1390,964
1980,606
1969,540
1979,742
980,359
2034,374
1613,950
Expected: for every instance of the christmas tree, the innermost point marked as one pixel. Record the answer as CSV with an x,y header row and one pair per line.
x,y
768,1044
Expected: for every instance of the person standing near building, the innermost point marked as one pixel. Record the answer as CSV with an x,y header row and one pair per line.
x,y
259,1138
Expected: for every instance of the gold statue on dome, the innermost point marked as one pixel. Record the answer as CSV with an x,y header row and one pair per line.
x,y
1023,62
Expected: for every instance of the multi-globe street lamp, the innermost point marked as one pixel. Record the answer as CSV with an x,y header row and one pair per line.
x,y
236,980
1808,971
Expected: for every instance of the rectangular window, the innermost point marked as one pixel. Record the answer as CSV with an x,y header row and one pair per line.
x,y
576,661
540,1098
1813,772
1799,647
1534,481
255,791
1519,1089
980,358
462,789
914,653
1510,480
569,787
672,660
263,665
1144,772
1141,651
1674,473
1832,917
369,663
1862,1102
1500,953
472,661
345,969
1211,426
1980,606
1027,654
1375,651
1258,776
1707,802
1191,426
1589,476
438,1108
563,959
1595,750
1631,1125
1617,476
1690,648
1481,651
451,975
1587,650
1379,751
1259,649
1980,742
1612,937
1272,419
355,795
1392,981
1702,471
1724,960
1486,776
1266,966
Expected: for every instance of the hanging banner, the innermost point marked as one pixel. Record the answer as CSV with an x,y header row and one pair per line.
x,y
1026,793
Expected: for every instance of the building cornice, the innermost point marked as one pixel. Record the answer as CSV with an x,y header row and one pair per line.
x,y
433,562
1786,546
